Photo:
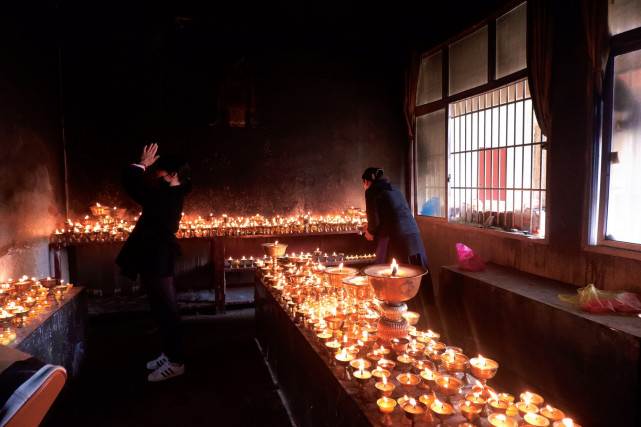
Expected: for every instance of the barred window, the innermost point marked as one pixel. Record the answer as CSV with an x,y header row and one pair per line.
x,y
497,161
480,154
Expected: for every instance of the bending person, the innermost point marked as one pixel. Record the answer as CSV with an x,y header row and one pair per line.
x,y
390,222
392,226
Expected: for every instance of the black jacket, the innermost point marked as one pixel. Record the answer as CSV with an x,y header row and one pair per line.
x,y
152,247
388,214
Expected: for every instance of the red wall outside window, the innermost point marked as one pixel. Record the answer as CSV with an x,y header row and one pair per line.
x,y
492,174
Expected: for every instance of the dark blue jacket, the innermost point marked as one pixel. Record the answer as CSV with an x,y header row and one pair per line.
x,y
388,214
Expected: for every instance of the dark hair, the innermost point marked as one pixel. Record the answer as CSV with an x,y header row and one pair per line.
x,y
171,163
372,174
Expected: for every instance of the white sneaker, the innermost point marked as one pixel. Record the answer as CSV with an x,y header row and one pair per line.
x,y
157,362
166,371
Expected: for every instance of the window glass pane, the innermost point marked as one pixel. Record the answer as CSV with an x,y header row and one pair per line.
x,y
430,79
624,15
430,158
468,62
500,178
624,195
510,42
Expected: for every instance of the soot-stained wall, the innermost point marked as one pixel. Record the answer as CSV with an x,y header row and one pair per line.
x,y
31,177
320,111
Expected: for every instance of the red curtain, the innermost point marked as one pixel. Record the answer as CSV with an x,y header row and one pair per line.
x,y
595,25
540,38
411,84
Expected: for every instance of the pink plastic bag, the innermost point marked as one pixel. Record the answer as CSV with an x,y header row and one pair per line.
x,y
468,260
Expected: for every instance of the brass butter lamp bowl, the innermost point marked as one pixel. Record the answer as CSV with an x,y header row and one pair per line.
x,y
394,284
334,277
359,289
274,250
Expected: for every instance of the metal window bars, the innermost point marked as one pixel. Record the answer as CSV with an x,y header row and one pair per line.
x,y
497,161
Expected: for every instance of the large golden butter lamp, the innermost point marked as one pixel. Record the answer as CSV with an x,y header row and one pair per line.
x,y
274,250
393,284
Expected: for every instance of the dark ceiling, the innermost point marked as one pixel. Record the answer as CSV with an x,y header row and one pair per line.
x,y
383,28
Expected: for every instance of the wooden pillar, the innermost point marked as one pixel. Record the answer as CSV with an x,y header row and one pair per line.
x,y
218,259
55,252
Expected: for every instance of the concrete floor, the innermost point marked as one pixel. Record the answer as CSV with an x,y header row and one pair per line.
x,y
226,383
237,295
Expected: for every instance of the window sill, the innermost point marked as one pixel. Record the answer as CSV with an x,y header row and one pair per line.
x,y
614,251
521,235
497,231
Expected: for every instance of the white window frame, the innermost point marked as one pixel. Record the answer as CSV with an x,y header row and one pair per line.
x,y
627,42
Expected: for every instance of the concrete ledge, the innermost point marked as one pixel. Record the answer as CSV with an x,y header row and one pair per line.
x,y
312,393
587,365
58,336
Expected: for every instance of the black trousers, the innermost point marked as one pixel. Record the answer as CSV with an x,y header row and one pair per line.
x,y
164,306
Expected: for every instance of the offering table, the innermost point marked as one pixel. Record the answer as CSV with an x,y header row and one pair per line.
x,y
202,266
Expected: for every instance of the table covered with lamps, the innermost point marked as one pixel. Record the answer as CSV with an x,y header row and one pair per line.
x,y
213,246
319,333
46,318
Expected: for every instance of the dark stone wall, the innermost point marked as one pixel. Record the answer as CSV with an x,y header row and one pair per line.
x,y
322,109
322,84
31,161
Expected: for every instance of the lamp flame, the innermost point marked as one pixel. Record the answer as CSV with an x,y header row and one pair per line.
x,y
394,267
